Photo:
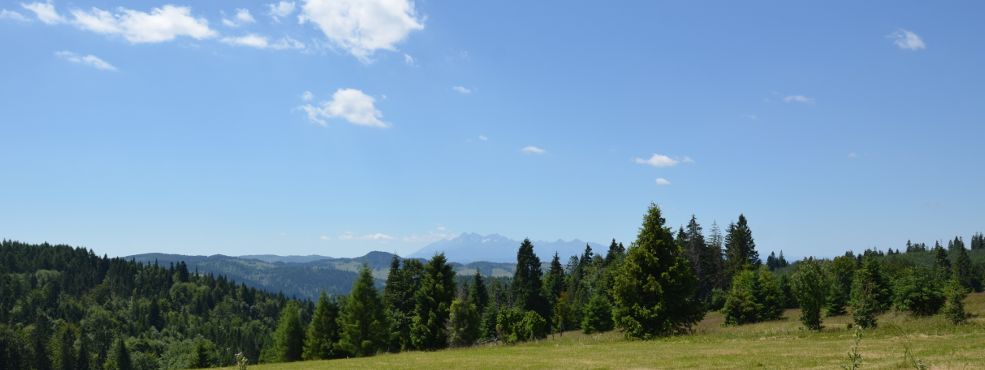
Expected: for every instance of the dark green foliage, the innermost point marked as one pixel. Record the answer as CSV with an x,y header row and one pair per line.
x,y
741,305
774,263
769,295
201,356
918,292
789,299
120,357
527,285
432,304
740,248
289,337
555,280
841,272
978,241
810,285
398,294
867,290
597,317
616,252
487,326
942,265
463,324
954,296
654,287
362,323
478,294
322,334
705,259
963,269
63,347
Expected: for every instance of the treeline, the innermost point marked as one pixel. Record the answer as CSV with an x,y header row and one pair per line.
x,y
65,306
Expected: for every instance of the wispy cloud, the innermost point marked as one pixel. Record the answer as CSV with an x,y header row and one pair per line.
x,y
280,9
261,42
241,18
658,160
362,27
483,138
798,99
530,149
409,60
86,60
351,105
159,25
462,90
662,181
45,12
13,16
907,40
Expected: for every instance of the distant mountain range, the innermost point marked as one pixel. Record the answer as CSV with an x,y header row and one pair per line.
x,y
304,276
470,247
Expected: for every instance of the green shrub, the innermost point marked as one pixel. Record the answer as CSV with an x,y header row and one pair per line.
x,y
918,292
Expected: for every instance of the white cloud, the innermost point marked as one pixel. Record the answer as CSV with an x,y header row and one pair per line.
x,y
662,181
349,104
161,24
87,60
45,12
687,159
261,42
483,138
362,27
12,15
409,60
907,40
241,18
658,160
280,10
530,149
798,99
374,237
307,96
462,90
325,237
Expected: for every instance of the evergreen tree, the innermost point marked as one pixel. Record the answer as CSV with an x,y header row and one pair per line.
x,y
742,305
63,347
398,295
841,272
201,355
527,288
954,302
978,241
942,266
82,361
871,273
740,248
864,301
917,291
703,261
323,330
654,287
433,301
362,322
769,295
714,259
597,317
810,286
121,357
478,294
963,269
555,280
289,337
463,324
616,252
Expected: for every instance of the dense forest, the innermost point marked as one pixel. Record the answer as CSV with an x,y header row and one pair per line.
x,y
67,308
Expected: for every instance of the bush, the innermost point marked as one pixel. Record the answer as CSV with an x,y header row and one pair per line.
x,y
717,299
918,292
741,306
597,316
954,307
463,324
515,325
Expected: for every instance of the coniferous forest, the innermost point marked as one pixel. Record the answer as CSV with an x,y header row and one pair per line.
x,y
67,308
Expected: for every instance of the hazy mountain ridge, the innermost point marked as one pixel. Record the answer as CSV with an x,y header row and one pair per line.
x,y
471,247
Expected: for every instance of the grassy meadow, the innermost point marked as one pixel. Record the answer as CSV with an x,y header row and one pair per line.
x,y
777,344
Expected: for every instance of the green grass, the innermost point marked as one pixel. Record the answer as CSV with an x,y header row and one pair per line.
x,y
776,344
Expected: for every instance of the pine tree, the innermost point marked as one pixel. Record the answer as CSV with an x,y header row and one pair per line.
x,y
362,322
963,269
714,259
841,272
401,285
121,357
82,361
554,281
478,294
463,324
770,296
978,241
597,317
289,337
954,304
616,252
432,303
527,288
323,330
654,287
742,305
864,301
942,266
810,286
740,248
63,347
201,355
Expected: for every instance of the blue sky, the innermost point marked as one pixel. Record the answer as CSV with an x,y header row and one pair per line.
x,y
336,127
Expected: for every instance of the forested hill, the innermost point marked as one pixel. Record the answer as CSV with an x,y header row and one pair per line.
x,y
65,307
304,276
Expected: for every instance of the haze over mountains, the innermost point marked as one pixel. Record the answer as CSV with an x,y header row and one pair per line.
x,y
306,276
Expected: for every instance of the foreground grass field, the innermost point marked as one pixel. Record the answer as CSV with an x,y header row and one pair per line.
x,y
777,344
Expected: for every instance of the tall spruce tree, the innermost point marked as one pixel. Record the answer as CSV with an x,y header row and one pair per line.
x,y
740,248
555,280
323,330
120,357
289,337
978,241
478,294
527,287
942,266
841,272
654,288
432,304
616,252
963,269
63,344
463,324
398,296
362,321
